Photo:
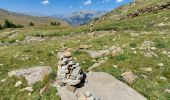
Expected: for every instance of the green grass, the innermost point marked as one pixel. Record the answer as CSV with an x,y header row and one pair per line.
x,y
44,53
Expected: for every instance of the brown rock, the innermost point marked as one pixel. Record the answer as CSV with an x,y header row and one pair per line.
x,y
84,47
116,50
129,77
71,88
67,54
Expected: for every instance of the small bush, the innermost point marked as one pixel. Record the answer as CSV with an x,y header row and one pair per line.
x,y
9,24
160,45
31,24
55,24
39,51
27,50
1,27
53,75
50,54
133,45
11,41
121,57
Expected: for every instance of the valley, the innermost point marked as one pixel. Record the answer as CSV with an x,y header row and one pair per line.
x,y
135,38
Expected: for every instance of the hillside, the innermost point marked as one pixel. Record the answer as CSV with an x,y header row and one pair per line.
x,y
131,43
141,14
24,19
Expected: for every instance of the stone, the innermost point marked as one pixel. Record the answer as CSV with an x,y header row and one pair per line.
x,y
153,48
3,80
135,52
28,89
129,77
60,55
67,54
115,50
134,34
71,88
106,87
81,96
84,47
115,66
73,82
147,69
18,84
163,78
88,94
167,91
29,94
103,86
98,54
160,64
150,54
71,62
32,75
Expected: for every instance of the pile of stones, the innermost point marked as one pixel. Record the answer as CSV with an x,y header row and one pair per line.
x,y
69,71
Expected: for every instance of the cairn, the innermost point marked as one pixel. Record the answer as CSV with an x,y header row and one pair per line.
x,y
69,71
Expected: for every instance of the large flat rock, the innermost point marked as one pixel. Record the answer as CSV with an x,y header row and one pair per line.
x,y
32,75
104,86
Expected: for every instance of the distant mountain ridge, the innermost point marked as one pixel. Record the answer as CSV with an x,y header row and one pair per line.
x,y
25,19
83,17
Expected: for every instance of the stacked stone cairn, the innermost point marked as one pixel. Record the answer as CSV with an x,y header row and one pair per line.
x,y
69,71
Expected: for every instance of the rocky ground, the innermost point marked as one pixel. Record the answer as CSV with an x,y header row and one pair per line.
x,y
136,51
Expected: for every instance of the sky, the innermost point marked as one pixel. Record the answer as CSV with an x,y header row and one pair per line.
x,y
60,7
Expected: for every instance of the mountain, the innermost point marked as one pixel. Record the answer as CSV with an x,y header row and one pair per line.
x,y
82,17
140,14
59,16
24,19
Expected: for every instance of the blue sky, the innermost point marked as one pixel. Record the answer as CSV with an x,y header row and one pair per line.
x,y
50,7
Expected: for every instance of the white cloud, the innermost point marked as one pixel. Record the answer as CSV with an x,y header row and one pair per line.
x,y
88,2
107,1
119,0
45,2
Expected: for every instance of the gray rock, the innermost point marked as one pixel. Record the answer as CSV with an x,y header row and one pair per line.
x,y
3,80
72,82
88,94
32,75
104,86
18,84
97,54
129,77
28,89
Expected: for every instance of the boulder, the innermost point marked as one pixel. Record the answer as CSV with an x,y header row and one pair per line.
x,y
32,75
104,87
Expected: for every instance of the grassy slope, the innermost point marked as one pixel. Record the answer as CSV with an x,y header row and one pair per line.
x,y
23,19
44,53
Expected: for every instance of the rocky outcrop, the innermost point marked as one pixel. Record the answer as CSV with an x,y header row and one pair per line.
x,y
101,86
32,75
97,54
150,9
